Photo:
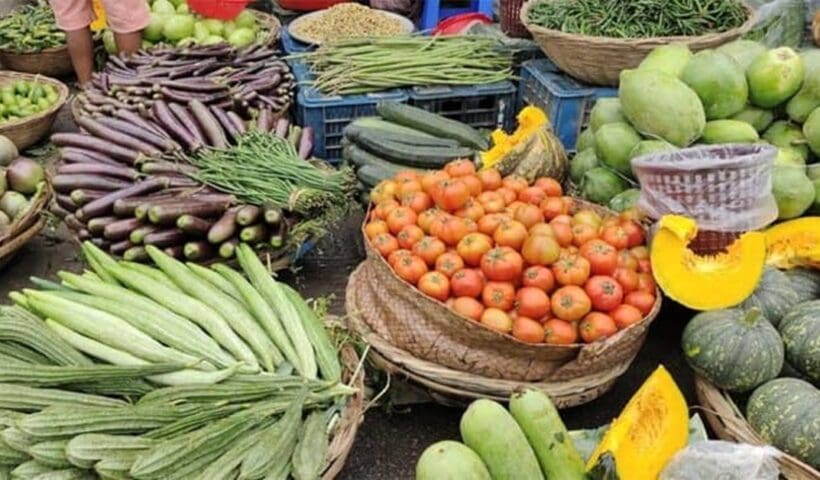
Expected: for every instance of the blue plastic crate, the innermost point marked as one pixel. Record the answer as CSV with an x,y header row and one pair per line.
x,y
566,101
329,115
291,45
482,106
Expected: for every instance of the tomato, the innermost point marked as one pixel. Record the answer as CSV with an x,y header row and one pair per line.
x,y
559,332
528,215
635,214
498,295
643,301
460,168
383,209
406,176
527,330
571,270
540,250
515,183
603,258
640,252
473,246
627,260
563,218
582,233
502,264
449,263
375,227
610,222
497,320
435,285
490,179
429,249
532,195
542,229
450,229
587,217
625,315
570,303
399,218
468,307
472,210
385,190
492,202
508,194
409,236
470,224
488,224
628,279
551,207
563,233
418,201
513,207
430,179
644,265
467,283
604,292
532,302
550,186
385,244
410,268
646,283
569,203
407,186
634,233
510,234
596,326
615,236
539,277
426,218
473,184
396,255
450,194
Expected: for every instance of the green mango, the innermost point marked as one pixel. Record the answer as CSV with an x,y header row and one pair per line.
x,y
744,52
625,200
813,171
153,32
581,163
728,131
815,206
585,140
719,82
792,190
613,144
808,97
201,32
671,59
600,185
758,118
163,7
645,147
774,77
606,110
785,134
811,131
789,156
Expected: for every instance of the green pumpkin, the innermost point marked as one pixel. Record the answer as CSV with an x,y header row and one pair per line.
x,y
789,371
785,413
800,329
735,349
805,282
774,295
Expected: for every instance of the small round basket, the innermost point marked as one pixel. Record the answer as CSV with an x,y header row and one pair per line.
x,y
25,228
270,22
600,60
25,132
728,423
53,62
455,357
511,19
345,434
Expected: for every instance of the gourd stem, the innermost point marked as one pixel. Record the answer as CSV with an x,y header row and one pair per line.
x,y
752,316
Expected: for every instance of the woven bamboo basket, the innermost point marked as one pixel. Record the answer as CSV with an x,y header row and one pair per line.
x,y
352,415
25,132
25,228
600,60
53,62
455,356
728,423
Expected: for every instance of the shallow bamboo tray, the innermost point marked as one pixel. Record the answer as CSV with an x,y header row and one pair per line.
x,y
729,423
25,132
53,62
25,228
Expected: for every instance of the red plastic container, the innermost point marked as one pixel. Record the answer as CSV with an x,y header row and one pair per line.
x,y
458,24
308,5
221,9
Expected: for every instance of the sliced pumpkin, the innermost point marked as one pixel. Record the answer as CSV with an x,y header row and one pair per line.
x,y
705,282
795,243
530,120
652,427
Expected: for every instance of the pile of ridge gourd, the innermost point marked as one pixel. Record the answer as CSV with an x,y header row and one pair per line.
x,y
176,372
741,92
768,346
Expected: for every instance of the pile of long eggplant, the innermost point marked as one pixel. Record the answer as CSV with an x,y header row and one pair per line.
x,y
176,372
250,78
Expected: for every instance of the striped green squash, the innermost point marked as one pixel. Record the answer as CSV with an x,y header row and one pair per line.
x,y
774,295
806,282
800,329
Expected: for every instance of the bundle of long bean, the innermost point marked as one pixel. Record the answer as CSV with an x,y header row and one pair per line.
x,y
639,18
62,345
30,28
367,65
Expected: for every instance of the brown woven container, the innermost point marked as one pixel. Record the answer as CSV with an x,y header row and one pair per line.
x,y
25,228
600,60
352,415
511,19
272,23
25,132
728,423
52,62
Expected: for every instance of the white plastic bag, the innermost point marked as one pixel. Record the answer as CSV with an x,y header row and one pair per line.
x,y
715,459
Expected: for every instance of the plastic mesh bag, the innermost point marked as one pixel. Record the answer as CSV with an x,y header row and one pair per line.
x,y
715,459
780,23
725,188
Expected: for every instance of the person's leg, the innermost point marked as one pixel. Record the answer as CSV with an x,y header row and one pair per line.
x,y
74,17
128,42
127,18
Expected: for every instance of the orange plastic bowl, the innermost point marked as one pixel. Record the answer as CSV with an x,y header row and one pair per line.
x,y
221,9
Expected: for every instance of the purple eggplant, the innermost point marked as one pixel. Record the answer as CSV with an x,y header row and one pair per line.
x,y
306,143
78,155
198,251
169,122
162,142
89,142
282,126
116,171
135,254
65,183
168,213
73,223
120,247
208,124
105,204
264,121
65,201
164,167
227,123
194,226
97,225
121,229
83,196
185,118
224,228
248,215
164,238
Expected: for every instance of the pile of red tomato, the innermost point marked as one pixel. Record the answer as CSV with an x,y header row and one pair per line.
x,y
512,255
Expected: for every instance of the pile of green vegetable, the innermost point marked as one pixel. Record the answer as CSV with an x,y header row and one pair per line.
x,y
638,18
178,372
30,28
405,137
381,63
22,185
741,92
25,98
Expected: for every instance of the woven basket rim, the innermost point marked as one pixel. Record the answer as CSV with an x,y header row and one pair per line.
x,y
342,441
28,228
63,94
728,422
633,42
654,162
49,50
